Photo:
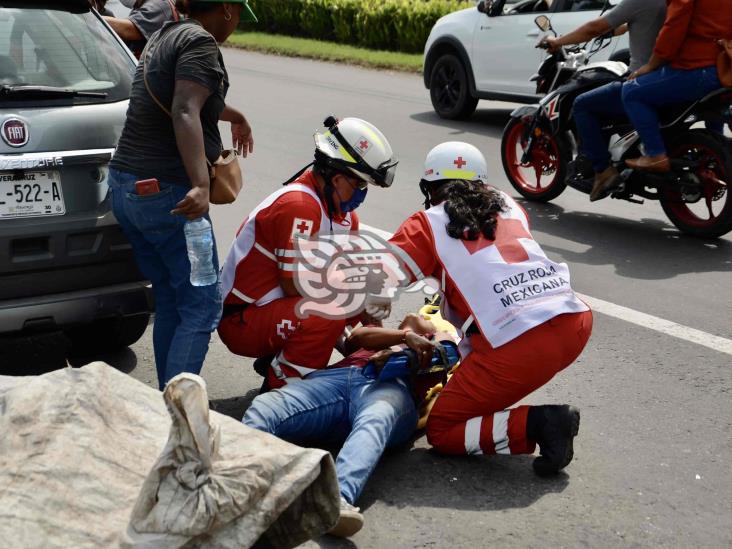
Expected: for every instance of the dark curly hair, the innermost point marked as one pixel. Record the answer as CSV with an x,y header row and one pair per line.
x,y
471,206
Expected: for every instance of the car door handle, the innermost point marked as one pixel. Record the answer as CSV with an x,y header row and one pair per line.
x,y
533,34
485,27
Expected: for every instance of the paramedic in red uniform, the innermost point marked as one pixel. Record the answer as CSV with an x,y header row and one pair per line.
x,y
521,321
260,296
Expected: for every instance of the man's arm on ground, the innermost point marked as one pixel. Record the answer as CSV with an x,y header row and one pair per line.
x,y
373,338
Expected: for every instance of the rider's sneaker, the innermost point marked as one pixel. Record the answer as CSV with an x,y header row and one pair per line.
x,y
604,181
554,428
349,522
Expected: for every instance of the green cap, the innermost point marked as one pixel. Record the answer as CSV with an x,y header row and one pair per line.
x,y
247,15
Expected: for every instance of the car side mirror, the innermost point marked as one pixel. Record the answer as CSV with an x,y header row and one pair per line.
x,y
492,8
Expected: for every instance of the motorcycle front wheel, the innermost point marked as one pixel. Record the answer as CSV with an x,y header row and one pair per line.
x,y
543,176
703,206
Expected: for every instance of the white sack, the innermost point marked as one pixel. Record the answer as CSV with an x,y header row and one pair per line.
x,y
76,446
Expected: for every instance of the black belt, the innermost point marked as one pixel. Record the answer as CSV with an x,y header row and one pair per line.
x,y
234,308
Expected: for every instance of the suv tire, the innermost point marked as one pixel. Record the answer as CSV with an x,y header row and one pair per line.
x,y
106,335
449,88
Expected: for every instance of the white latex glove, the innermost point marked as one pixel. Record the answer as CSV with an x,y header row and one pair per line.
x,y
377,307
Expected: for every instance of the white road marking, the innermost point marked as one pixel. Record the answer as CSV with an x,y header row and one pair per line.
x,y
667,327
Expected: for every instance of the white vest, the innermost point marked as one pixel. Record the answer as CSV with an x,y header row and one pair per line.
x,y
505,299
247,239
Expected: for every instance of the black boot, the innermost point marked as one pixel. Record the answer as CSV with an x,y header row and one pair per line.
x,y
553,427
262,364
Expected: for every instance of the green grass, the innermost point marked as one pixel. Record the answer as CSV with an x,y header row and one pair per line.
x,y
326,51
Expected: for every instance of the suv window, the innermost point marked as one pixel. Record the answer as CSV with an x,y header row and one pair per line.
x,y
61,49
514,7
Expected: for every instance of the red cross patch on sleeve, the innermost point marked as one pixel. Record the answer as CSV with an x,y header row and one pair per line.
x,y
302,227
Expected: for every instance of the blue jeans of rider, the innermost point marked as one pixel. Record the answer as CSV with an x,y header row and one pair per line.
x,y
590,110
185,315
337,405
644,96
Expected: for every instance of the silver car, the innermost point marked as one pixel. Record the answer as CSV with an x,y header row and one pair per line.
x,y
65,265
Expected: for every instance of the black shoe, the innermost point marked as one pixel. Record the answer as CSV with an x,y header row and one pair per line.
x,y
553,428
262,364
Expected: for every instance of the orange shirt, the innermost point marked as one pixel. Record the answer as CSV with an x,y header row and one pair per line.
x,y
688,38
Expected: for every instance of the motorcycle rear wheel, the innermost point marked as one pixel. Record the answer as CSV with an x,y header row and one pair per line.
x,y
711,215
548,162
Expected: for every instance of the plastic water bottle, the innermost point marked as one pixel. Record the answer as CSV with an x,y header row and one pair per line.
x,y
199,242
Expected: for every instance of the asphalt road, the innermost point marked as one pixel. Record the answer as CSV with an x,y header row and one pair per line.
x,y
652,457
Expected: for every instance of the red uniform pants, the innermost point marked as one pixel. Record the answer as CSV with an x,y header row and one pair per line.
x,y
470,415
300,344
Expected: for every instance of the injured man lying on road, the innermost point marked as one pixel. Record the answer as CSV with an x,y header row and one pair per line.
x,y
365,401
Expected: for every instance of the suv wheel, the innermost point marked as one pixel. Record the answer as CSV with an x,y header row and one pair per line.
x,y
109,334
449,91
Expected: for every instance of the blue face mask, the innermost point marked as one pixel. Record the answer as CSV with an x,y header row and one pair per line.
x,y
357,198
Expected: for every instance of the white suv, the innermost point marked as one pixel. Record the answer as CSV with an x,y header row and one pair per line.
x,y
472,55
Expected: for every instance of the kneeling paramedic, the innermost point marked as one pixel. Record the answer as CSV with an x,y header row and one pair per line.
x,y
521,321
260,317
345,403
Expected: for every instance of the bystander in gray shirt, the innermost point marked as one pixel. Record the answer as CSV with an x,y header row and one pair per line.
x,y
645,19
149,17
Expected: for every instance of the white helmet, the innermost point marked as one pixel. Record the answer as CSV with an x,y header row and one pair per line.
x,y
455,160
357,146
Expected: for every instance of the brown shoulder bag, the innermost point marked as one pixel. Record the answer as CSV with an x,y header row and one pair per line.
x,y
225,174
724,63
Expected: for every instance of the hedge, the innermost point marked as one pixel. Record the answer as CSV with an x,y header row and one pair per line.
x,y
395,25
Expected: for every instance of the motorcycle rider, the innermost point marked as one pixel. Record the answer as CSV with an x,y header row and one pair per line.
x,y
642,19
260,297
683,68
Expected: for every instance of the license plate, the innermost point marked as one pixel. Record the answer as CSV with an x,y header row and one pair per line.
x,y
30,194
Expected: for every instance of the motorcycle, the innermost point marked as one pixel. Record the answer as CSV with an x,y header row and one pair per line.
x,y
540,157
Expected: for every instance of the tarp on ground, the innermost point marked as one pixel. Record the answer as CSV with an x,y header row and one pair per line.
x,y
89,457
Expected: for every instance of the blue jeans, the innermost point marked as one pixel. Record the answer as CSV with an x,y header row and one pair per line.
x,y
643,97
185,315
590,110
330,406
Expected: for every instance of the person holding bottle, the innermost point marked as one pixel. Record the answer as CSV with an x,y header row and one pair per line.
x,y
159,178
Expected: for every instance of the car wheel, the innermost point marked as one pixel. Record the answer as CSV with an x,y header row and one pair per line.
x,y
106,335
449,90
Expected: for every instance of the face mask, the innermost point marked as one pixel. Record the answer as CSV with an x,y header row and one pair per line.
x,y
357,198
